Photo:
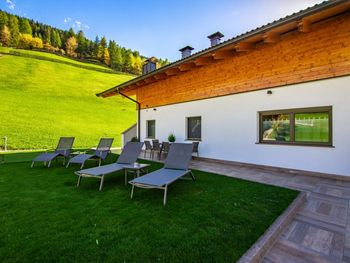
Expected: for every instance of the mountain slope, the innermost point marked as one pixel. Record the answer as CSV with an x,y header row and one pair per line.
x,y
42,100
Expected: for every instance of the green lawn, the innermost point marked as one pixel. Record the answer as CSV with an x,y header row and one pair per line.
x,y
45,218
43,100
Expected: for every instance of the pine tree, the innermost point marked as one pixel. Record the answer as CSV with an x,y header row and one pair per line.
x,y
24,26
95,47
81,50
3,20
56,39
5,36
71,46
47,35
70,33
14,30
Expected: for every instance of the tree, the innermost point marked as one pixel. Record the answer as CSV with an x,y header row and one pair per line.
x,y
28,42
3,20
14,30
56,39
5,36
71,46
106,58
24,26
47,35
128,61
82,49
95,47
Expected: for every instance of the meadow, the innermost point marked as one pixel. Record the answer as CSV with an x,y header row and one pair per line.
x,y
43,100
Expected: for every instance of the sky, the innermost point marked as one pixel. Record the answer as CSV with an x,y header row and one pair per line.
x,y
157,27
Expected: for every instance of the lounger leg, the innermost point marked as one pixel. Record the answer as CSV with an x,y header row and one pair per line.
x,y
132,191
126,176
101,184
99,162
67,164
79,180
165,193
49,164
82,165
32,165
193,178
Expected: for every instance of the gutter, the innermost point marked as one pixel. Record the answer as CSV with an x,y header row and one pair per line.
x,y
138,112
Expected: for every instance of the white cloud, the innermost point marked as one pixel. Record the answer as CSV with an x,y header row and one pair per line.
x,y
67,19
76,24
11,4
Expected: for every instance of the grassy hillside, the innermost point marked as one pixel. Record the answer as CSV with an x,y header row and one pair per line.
x,y
49,56
43,100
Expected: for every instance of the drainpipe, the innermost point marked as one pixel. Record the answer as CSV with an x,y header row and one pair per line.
x,y
138,114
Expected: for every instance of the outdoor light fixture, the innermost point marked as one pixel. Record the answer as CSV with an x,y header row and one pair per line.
x,y
154,109
269,92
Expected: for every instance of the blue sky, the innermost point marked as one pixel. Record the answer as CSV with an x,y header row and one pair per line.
x,y
156,27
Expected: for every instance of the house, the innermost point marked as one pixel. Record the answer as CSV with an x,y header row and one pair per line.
x,y
277,96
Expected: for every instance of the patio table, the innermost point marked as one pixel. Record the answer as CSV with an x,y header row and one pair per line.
x,y
137,169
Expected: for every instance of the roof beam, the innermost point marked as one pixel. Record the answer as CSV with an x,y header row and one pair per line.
x,y
244,46
150,80
201,61
160,76
172,71
187,67
223,54
140,83
304,25
271,37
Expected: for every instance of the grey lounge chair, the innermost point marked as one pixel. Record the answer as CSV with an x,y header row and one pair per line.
x,y
127,157
175,166
101,153
63,149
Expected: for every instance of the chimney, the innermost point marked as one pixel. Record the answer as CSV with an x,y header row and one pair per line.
x,y
215,38
149,65
186,51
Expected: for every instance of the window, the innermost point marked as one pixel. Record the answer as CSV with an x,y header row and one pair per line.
x,y
194,128
309,126
151,129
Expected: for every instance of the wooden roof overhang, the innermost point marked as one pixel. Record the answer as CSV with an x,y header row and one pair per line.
x,y
270,33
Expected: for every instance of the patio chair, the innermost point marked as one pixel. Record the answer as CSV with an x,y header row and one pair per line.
x,y
63,149
175,167
101,153
165,149
156,147
128,156
148,147
195,148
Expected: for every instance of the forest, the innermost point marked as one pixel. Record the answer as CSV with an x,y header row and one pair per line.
x,y
24,33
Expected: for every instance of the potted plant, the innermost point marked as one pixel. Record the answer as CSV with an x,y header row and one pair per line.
x,y
171,137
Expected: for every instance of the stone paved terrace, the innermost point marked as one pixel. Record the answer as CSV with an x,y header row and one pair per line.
x,y
320,231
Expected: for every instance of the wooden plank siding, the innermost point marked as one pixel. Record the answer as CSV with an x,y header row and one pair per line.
x,y
296,57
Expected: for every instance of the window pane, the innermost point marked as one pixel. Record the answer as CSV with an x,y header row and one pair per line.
x,y
312,127
194,129
151,129
276,127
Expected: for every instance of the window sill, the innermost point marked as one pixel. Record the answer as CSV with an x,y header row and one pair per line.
x,y
296,144
194,140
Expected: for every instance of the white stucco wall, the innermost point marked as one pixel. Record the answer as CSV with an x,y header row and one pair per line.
x,y
230,126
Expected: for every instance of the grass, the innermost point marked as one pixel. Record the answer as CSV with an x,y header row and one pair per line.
x,y
45,218
43,100
47,55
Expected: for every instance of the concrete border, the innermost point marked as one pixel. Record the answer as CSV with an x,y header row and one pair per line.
x,y
256,252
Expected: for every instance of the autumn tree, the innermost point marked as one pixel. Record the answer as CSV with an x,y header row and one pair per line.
x,y
106,57
5,36
71,46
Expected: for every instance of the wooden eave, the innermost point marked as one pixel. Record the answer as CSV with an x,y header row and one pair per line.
x,y
268,34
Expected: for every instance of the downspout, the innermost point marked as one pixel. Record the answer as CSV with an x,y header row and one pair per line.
x,y
138,114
